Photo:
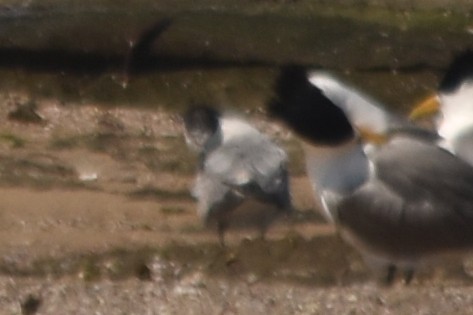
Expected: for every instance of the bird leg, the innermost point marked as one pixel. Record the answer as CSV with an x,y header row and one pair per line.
x,y
408,276
262,232
391,274
221,228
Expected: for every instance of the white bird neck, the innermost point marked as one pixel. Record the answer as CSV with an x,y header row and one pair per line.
x,y
229,128
456,113
233,127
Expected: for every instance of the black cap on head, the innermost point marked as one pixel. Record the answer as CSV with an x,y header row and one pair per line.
x,y
306,110
201,123
460,69
201,117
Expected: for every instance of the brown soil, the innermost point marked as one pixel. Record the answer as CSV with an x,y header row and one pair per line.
x,y
96,218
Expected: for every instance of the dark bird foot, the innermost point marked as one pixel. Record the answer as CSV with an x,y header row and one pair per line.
x,y
221,228
408,276
391,274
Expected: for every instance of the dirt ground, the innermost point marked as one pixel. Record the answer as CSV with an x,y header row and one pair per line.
x,y
96,218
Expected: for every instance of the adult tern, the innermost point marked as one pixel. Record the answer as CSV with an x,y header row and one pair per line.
x,y
407,201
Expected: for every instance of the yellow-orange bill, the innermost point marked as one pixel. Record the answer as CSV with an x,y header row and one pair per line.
x,y
370,136
428,107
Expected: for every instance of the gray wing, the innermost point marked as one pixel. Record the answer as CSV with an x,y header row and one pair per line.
x,y
252,166
421,201
212,196
420,171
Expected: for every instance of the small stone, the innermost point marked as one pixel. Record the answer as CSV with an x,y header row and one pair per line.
x,y
252,278
468,267
30,305
352,298
144,273
26,113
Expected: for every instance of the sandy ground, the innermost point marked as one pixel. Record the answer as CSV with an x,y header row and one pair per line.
x,y
96,218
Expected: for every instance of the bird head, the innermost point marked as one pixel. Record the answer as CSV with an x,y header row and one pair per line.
x,y
306,109
201,122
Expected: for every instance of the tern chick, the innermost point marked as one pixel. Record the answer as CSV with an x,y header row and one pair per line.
x,y
237,163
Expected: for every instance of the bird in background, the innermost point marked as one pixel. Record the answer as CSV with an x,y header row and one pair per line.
x,y
236,163
402,204
453,104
